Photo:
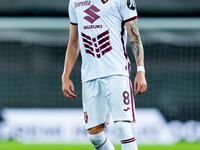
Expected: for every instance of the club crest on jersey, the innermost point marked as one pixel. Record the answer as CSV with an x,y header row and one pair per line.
x,y
104,1
131,4
85,117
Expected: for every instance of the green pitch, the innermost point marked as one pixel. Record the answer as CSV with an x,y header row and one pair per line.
x,y
17,146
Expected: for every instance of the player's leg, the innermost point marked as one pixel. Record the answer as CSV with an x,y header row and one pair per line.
x,y
97,129
97,137
121,103
125,134
96,114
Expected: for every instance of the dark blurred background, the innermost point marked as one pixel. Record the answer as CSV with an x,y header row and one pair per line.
x,y
146,8
31,59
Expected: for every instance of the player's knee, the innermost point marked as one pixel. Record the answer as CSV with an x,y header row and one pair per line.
x,y
120,126
123,130
100,141
97,139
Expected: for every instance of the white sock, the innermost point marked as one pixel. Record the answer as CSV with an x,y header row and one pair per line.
x,y
100,141
125,134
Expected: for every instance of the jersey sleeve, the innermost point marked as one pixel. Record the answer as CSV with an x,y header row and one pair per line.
x,y
128,10
72,14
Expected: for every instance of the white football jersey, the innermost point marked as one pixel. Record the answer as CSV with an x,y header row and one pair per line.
x,y
102,35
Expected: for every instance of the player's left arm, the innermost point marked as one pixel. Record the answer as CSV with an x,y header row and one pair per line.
x,y
140,84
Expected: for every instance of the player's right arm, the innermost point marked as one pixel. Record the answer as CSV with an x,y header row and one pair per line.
x,y
72,53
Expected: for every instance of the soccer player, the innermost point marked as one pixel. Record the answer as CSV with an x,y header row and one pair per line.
x,y
98,28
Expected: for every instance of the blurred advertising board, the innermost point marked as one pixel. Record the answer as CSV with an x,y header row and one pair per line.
x,y
67,126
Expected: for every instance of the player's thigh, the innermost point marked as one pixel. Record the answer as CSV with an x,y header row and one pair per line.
x,y
121,99
97,129
94,104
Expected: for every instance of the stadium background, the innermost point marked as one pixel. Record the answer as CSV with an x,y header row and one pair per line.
x,y
32,56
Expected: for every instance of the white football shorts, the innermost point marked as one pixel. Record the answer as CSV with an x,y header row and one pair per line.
x,y
109,95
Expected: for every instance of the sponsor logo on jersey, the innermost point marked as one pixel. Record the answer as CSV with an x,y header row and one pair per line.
x,y
104,1
83,3
97,46
92,27
92,16
131,4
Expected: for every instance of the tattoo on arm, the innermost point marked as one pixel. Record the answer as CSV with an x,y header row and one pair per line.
x,y
136,44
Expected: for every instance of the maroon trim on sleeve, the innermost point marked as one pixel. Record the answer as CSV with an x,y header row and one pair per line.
x,y
133,18
74,23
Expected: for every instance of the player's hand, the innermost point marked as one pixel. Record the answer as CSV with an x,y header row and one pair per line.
x,y
140,84
68,88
